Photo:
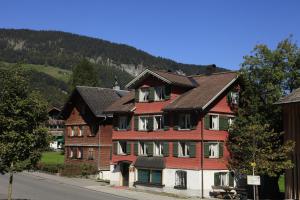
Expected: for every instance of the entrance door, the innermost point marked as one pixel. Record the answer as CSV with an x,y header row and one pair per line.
x,y
125,174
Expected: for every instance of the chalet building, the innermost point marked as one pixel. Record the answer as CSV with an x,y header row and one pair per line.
x,y
56,128
169,132
88,135
291,125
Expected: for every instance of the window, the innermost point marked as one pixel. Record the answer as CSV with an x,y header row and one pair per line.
x,y
71,152
94,129
144,95
180,180
122,123
159,93
72,131
184,121
213,149
76,130
79,153
158,149
214,122
122,147
80,133
183,149
223,179
158,122
234,97
230,121
91,154
143,148
143,123
146,176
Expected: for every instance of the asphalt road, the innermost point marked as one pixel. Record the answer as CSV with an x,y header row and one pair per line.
x,y
36,188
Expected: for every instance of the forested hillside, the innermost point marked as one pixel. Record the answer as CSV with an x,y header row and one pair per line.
x,y
50,56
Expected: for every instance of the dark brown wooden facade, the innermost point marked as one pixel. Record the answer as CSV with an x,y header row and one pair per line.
x,y
291,123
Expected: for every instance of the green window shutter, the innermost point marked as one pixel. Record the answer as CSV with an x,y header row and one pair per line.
x,y
229,98
149,148
115,148
231,179
207,122
136,148
175,149
194,121
129,123
136,123
156,176
221,150
175,121
166,122
223,123
217,180
206,150
192,148
128,148
150,124
167,91
151,93
137,95
166,149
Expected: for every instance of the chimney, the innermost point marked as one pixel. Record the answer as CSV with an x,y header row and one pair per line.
x,y
116,85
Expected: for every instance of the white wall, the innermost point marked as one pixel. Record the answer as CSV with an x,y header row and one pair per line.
x,y
115,175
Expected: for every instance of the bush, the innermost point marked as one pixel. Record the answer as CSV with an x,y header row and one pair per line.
x,y
50,168
78,170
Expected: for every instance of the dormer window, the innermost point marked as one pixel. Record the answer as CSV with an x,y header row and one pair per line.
x,y
144,95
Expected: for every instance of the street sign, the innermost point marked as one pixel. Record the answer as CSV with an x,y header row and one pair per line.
x,y
253,180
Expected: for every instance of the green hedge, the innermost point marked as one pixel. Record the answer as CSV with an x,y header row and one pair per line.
x,y
68,169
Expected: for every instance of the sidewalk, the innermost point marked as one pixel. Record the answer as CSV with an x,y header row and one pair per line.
x,y
101,187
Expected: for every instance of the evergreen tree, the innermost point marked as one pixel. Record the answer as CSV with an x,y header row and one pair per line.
x,y
84,74
22,132
256,136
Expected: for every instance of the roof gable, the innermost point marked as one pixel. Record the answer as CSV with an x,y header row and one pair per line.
x,y
167,77
96,98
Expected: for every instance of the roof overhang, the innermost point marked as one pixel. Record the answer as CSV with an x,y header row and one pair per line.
x,y
143,75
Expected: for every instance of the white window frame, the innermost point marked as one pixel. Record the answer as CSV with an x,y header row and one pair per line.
x,y
80,133
143,125
214,146
122,122
155,124
158,148
159,90
224,179
215,125
187,120
183,151
71,153
143,148
234,97
144,92
120,150
72,131
79,153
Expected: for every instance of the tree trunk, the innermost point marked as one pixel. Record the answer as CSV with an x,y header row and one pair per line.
x,y
9,194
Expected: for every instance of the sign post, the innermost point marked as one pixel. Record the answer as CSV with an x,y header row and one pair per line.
x,y
253,180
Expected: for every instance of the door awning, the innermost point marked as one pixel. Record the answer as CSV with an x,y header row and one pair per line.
x,y
150,162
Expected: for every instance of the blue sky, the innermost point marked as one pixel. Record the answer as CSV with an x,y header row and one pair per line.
x,y
196,32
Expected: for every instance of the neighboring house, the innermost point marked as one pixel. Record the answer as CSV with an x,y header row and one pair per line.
x,y
56,128
88,136
291,125
161,125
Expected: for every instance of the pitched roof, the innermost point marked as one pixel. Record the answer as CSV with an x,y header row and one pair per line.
x,y
293,97
125,104
209,88
96,98
167,77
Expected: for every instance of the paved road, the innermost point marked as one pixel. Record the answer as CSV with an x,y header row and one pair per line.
x,y
37,188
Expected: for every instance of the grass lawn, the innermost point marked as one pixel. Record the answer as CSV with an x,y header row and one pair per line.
x,y
52,158
281,183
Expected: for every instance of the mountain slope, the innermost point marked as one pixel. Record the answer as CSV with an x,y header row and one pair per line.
x,y
64,50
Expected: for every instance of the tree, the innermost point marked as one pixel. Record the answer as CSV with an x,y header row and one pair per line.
x,y
84,74
256,136
22,132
